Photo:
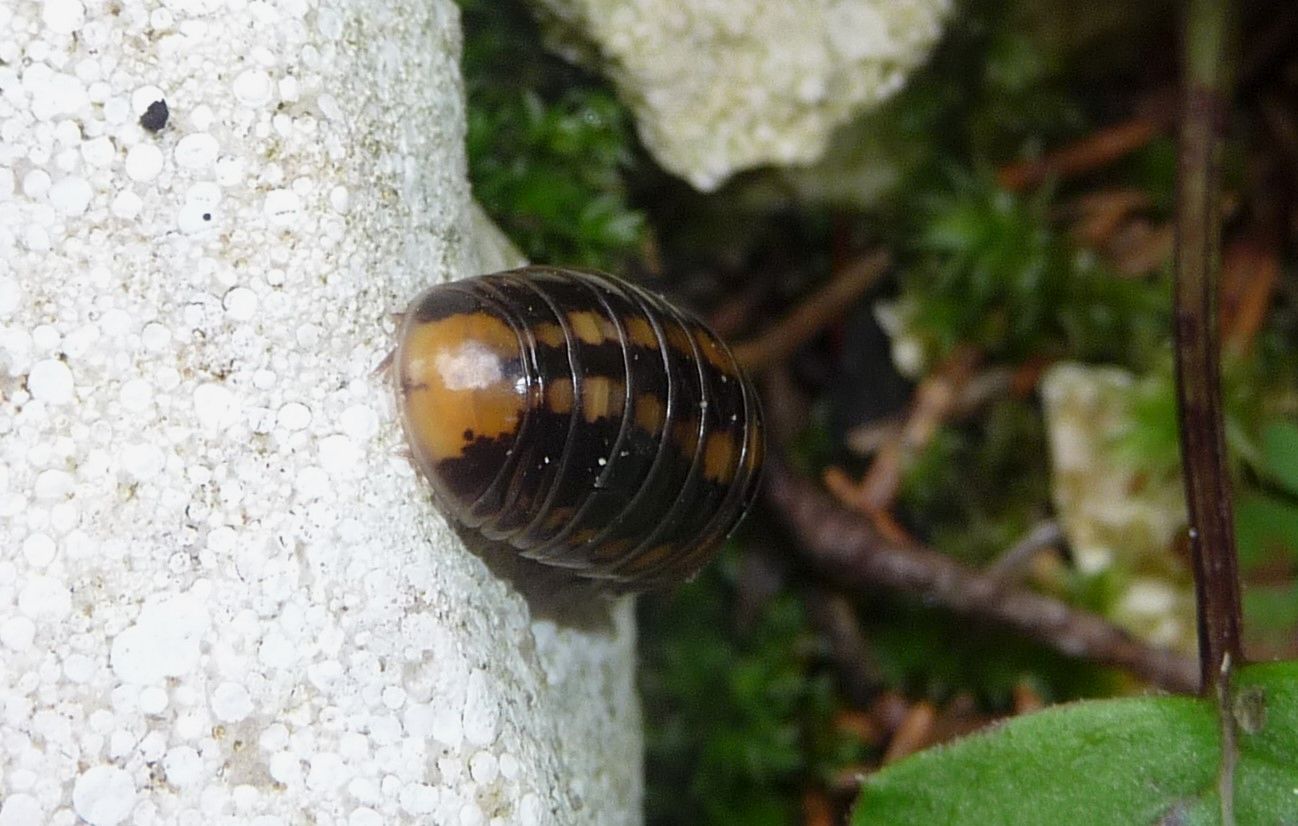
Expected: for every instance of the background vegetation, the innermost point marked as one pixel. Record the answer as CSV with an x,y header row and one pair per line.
x,y
768,690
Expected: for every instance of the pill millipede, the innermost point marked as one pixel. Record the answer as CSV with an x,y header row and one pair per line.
x,y
581,420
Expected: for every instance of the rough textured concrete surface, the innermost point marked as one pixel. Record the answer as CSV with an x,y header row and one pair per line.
x,y
224,597
723,85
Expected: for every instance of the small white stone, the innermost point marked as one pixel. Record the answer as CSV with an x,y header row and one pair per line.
x,y
144,97
78,668
293,416
17,633
215,406
117,110
510,768
152,700
326,773
363,816
126,205
161,19
45,337
204,193
163,642
418,798
10,295
288,89
36,184
231,703
194,218
155,337
253,87
20,810
45,599
284,767
530,810
52,485
481,715
143,162
282,207
230,171
38,550
136,395
183,766
63,16
274,737
240,304
142,461
50,381
359,422
103,795
201,117
196,152
340,199
340,456
484,768
71,195
98,152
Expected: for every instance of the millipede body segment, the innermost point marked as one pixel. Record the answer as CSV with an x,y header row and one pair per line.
x,y
580,420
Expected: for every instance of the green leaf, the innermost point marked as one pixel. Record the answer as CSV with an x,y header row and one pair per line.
x,y
1266,527
1129,761
1280,449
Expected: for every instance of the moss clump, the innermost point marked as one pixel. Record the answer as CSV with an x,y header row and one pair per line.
x,y
547,144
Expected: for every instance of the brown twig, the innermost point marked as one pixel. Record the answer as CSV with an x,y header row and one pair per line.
x,y
825,305
844,547
1198,370
1198,363
1250,274
834,616
914,732
935,400
1094,151
1009,566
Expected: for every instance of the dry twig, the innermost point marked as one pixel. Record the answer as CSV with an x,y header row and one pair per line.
x,y
1094,151
825,305
845,548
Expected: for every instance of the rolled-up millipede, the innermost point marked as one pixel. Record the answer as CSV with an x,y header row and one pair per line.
x,y
581,420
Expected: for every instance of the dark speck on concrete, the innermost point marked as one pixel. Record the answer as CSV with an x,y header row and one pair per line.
x,y
155,117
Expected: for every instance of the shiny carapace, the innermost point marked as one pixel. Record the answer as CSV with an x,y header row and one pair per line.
x,y
581,420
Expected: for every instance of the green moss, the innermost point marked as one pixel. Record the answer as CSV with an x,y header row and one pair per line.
x,y
990,269
976,489
739,722
547,144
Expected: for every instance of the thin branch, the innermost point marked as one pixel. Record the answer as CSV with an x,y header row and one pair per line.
x,y
1198,363
835,617
1010,565
827,304
844,547
1198,370
1092,152
933,404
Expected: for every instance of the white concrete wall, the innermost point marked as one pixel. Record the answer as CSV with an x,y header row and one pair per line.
x,y
223,595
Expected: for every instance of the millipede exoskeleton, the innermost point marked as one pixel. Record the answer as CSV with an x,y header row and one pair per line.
x,y
581,420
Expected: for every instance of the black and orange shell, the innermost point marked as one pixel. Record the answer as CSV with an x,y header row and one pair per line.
x,y
581,420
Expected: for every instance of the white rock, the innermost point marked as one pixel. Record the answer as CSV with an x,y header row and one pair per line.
x,y
63,16
71,195
196,152
723,85
143,162
103,795
50,381
20,810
